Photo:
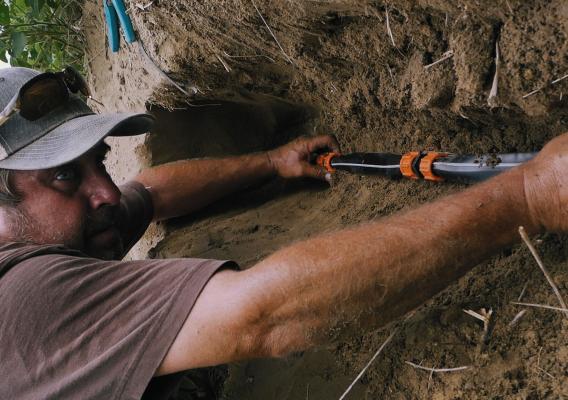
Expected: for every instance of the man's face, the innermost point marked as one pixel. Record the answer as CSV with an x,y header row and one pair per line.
x,y
75,205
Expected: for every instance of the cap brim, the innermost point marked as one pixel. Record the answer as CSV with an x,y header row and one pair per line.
x,y
74,138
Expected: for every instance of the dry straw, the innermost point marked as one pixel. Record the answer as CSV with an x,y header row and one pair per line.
x,y
271,33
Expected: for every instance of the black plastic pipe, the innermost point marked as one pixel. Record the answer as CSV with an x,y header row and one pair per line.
x,y
450,167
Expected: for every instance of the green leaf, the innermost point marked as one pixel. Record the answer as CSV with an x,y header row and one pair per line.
x,y
33,53
33,5
4,13
19,4
20,62
39,42
36,6
19,41
3,52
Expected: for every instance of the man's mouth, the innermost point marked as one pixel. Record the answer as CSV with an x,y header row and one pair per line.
x,y
102,232
105,233
98,229
104,238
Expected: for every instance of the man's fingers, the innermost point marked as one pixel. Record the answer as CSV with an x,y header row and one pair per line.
x,y
316,172
324,142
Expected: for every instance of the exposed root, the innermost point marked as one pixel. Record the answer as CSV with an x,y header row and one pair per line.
x,y
430,378
521,295
391,75
445,56
554,82
509,6
475,315
540,306
389,31
545,372
251,56
145,55
492,99
538,260
271,33
517,318
366,367
144,7
227,68
437,369
487,318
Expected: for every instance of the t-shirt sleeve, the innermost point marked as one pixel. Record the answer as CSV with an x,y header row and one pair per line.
x,y
91,329
136,213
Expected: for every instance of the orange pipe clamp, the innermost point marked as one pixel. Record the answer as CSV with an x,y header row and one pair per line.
x,y
406,164
426,166
324,160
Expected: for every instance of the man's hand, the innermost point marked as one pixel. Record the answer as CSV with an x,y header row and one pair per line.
x,y
293,159
546,186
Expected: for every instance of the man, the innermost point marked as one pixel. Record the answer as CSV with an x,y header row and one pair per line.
x,y
76,324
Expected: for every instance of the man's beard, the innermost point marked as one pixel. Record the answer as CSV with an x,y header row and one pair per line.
x,y
23,231
104,218
18,221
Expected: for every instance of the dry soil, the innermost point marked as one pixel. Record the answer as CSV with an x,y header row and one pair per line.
x,y
336,69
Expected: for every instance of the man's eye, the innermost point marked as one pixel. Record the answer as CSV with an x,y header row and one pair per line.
x,y
66,175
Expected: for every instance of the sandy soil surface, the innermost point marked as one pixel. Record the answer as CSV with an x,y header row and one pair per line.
x,y
337,69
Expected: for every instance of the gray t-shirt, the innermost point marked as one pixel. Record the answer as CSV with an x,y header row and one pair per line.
x,y
74,327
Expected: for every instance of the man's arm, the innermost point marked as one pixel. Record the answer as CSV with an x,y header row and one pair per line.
x,y
181,187
292,299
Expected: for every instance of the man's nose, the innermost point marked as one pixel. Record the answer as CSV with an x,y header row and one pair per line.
x,y
102,191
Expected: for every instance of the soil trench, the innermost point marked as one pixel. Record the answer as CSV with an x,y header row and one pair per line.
x,y
339,68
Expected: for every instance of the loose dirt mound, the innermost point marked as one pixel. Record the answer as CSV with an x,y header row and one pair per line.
x,y
337,71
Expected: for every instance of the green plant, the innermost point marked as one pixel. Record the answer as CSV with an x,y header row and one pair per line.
x,y
41,34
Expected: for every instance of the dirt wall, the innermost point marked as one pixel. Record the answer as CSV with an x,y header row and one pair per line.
x,y
335,68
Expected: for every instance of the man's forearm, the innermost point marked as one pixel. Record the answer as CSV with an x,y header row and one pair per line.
x,y
385,268
181,187
306,293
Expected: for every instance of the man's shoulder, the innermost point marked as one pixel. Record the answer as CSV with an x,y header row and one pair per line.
x,y
23,250
13,253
